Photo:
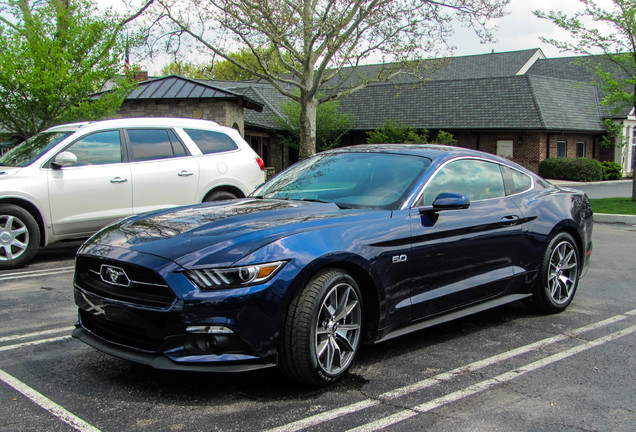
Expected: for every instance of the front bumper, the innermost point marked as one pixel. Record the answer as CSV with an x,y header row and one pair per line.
x,y
166,333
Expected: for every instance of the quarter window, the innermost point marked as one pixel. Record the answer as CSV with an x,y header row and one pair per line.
x,y
211,141
476,179
97,149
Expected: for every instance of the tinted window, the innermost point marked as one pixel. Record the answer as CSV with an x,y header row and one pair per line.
x,y
150,144
520,181
97,149
210,141
476,179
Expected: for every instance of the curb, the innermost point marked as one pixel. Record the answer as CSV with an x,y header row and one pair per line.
x,y
615,218
568,183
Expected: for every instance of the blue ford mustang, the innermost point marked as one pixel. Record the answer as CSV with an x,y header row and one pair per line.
x,y
354,245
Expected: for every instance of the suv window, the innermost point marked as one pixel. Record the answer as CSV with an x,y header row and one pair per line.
x,y
210,141
476,179
150,144
97,149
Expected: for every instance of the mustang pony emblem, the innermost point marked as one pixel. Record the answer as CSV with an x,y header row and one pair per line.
x,y
114,276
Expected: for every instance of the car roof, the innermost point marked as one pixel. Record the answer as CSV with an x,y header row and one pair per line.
x,y
135,121
432,151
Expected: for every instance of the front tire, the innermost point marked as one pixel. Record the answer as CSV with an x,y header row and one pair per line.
x,y
19,236
558,275
323,329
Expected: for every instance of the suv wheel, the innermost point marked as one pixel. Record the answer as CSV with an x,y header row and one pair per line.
x,y
19,236
219,196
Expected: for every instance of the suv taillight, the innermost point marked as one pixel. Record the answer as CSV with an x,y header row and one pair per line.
x,y
260,163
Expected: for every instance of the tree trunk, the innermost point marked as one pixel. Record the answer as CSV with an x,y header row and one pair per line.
x,y
308,107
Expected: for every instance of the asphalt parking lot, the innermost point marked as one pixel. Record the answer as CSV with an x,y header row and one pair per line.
x,y
503,370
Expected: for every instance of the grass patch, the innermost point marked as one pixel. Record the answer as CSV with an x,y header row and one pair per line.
x,y
614,206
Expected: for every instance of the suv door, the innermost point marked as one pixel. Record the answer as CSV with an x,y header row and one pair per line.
x,y
163,173
92,192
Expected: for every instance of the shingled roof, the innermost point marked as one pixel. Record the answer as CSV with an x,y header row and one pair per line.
x,y
519,90
502,103
178,87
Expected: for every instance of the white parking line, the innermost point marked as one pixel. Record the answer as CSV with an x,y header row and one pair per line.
x,y
47,404
33,343
36,334
445,376
35,273
486,384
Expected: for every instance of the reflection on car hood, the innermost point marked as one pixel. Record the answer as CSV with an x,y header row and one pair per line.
x,y
219,233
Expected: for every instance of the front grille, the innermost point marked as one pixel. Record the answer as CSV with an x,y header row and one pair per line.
x,y
139,285
127,335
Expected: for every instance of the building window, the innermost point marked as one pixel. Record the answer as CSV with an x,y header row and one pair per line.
x,y
504,149
562,149
580,149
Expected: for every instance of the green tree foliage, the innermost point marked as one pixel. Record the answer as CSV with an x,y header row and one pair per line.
x,y
187,69
55,54
611,32
614,134
394,132
263,60
321,43
331,125
445,138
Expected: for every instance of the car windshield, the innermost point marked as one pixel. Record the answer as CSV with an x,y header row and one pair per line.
x,y
369,179
31,149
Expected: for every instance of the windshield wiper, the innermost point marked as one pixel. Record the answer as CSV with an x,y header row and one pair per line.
x,y
340,206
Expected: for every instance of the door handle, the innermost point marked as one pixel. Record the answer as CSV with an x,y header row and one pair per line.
x,y
185,173
118,180
510,220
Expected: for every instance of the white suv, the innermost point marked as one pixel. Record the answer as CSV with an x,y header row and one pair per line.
x,y
71,180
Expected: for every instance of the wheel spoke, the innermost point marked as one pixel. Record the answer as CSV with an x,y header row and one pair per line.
x,y
8,254
338,328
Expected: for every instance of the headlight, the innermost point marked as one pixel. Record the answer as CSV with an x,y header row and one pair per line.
x,y
234,277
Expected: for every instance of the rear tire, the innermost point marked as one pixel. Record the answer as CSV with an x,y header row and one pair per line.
x,y
323,328
19,236
558,275
219,196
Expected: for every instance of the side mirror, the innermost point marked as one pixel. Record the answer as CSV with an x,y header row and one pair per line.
x,y
63,159
447,201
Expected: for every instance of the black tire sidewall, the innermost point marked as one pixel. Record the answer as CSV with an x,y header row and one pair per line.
x,y
542,298
34,235
297,356
339,277
219,196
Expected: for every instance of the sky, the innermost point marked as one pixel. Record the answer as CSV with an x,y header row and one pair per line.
x,y
518,30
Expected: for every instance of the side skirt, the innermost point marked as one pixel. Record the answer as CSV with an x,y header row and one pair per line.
x,y
453,316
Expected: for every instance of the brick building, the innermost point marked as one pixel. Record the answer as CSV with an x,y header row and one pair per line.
x,y
516,104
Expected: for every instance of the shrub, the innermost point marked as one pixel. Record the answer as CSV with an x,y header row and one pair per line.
x,y
612,171
579,169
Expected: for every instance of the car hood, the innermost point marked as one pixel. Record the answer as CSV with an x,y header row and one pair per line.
x,y
8,171
221,233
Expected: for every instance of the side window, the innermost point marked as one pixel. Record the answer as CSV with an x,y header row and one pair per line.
x,y
151,144
211,141
517,181
97,149
478,180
